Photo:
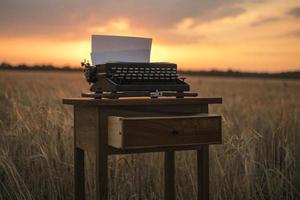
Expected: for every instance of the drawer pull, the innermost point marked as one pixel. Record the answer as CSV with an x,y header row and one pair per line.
x,y
174,132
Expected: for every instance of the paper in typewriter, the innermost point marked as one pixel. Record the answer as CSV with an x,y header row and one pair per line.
x,y
120,49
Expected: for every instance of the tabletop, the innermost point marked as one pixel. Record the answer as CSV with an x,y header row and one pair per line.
x,y
142,101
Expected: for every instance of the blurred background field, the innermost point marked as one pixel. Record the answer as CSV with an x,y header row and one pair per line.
x,y
259,158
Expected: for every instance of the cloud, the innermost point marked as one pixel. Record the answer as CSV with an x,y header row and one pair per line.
x,y
295,12
229,12
72,19
295,33
263,21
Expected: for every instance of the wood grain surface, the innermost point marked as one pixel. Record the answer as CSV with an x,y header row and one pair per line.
x,y
143,101
86,127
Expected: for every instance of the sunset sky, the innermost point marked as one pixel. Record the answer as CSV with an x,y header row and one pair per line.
x,y
246,35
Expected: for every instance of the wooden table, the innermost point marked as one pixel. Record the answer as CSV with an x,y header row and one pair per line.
x,y
91,134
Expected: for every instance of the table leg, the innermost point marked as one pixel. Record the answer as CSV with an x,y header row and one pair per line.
x,y
102,176
102,157
203,172
79,174
169,175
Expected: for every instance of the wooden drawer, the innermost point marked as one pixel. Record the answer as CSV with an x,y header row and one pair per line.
x,y
138,132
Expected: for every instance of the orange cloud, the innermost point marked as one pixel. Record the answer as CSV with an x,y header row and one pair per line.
x,y
237,34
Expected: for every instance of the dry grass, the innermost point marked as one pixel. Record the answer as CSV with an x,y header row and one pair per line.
x,y
258,160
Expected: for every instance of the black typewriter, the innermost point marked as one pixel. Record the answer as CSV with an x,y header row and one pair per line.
x,y
130,79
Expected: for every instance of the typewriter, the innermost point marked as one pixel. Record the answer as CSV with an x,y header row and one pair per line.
x,y
131,79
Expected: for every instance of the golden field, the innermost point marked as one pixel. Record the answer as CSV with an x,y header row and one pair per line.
x,y
259,157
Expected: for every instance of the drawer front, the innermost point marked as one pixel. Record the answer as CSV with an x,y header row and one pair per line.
x,y
134,132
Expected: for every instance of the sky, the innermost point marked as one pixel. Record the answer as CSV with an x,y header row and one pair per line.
x,y
245,35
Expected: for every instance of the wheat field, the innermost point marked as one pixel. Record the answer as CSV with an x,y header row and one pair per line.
x,y
259,157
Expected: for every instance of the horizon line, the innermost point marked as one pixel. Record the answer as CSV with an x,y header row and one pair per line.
x,y
77,68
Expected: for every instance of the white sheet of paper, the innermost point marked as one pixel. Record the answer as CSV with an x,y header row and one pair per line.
x,y
120,49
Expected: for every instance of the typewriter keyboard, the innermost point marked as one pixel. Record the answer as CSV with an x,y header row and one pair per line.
x,y
128,74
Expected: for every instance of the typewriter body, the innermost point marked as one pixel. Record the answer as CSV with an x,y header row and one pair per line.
x,y
132,79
